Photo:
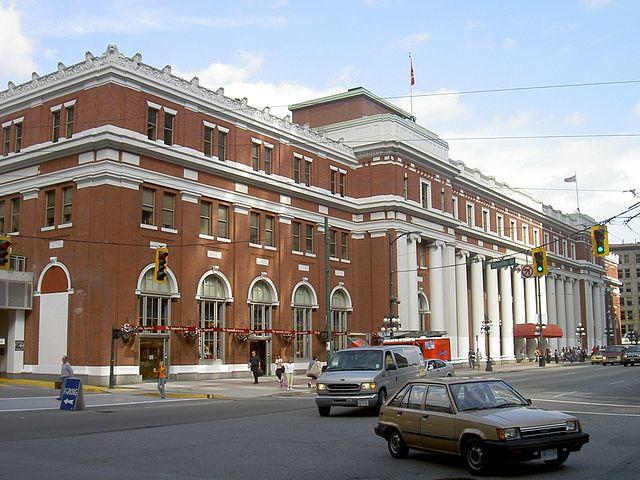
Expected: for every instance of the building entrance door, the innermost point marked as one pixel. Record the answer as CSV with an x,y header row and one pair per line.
x,y
264,353
152,352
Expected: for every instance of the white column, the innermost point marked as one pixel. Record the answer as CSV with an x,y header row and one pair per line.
x,y
598,293
561,309
570,334
462,306
493,310
506,314
518,310
407,282
477,302
552,342
603,312
589,327
436,292
530,310
449,274
552,306
15,359
577,311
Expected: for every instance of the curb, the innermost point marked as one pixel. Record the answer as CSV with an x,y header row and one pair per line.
x,y
46,384
210,396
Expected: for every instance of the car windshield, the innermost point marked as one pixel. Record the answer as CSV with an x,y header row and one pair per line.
x,y
634,350
485,395
356,360
613,349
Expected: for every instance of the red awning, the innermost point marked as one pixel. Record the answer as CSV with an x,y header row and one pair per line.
x,y
528,330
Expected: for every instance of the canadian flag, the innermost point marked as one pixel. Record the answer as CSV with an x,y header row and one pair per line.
x,y
571,179
413,77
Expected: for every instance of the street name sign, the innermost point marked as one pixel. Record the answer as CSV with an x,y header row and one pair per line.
x,y
507,262
527,271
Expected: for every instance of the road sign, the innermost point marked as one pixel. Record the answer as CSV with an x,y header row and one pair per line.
x,y
71,395
527,271
507,262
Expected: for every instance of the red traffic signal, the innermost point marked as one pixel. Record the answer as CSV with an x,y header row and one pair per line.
x,y
161,265
5,253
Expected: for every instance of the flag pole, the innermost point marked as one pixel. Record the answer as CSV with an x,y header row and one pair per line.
x,y
411,81
575,174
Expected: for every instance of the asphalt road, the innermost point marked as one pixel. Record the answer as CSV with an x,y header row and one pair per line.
x,y
284,438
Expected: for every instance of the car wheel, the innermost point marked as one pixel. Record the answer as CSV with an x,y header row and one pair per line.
x,y
625,364
449,375
324,411
476,456
604,364
562,457
397,446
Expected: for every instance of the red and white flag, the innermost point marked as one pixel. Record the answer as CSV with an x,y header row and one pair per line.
x,y
413,77
571,179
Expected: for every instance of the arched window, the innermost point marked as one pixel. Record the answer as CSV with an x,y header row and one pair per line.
x,y
423,311
154,301
261,305
340,305
302,308
212,294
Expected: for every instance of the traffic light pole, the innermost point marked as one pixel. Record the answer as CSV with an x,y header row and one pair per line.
x,y
327,286
112,357
542,359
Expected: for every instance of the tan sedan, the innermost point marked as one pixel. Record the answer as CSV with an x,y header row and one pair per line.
x,y
482,420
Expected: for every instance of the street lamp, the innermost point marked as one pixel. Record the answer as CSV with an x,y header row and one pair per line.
x,y
633,336
542,360
486,328
609,333
392,298
580,332
390,325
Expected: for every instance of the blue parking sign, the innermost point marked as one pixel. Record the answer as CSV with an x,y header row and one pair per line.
x,y
69,393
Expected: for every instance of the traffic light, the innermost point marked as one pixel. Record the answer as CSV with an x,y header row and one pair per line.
x,y
162,264
599,241
540,266
5,253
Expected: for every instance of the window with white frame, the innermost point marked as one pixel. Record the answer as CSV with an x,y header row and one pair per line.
x,y
15,214
212,315
536,237
339,309
308,239
168,210
573,251
425,194
154,302
302,310
512,230
268,158
565,252
223,221
500,225
67,199
260,306
556,246
423,311
470,215
205,217
525,234
546,242
50,208
454,207
485,219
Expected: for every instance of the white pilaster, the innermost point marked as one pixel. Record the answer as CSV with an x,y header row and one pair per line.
x,y
518,310
562,310
462,305
506,314
530,310
436,292
589,327
477,302
407,282
493,310
15,360
552,305
598,295
449,277
577,311
570,333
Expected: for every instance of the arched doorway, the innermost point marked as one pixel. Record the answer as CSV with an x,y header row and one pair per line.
x,y
340,307
263,298
214,292
303,302
423,312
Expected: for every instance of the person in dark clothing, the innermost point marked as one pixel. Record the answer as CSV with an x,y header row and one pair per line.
x,y
254,365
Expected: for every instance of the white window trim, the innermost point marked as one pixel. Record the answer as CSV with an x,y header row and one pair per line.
x,y
298,155
222,129
170,111
565,248
256,140
148,227
500,225
422,185
454,205
473,214
168,230
155,106
17,120
536,237
513,230
342,171
208,124
524,228
486,210
308,159
56,108
268,145
331,167
70,103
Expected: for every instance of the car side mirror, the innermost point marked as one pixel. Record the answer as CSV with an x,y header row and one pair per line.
x,y
324,368
391,367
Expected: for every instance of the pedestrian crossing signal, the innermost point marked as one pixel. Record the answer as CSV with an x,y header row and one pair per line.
x,y
540,267
5,253
161,265
599,241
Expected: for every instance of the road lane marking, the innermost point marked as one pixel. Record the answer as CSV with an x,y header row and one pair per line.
x,y
619,381
587,403
562,394
101,405
604,413
49,396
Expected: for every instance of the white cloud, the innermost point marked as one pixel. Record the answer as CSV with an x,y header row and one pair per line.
x,y
636,110
410,41
16,48
509,43
345,76
50,53
437,108
596,4
576,118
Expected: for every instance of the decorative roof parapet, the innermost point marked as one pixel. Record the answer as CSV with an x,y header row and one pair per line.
x,y
113,56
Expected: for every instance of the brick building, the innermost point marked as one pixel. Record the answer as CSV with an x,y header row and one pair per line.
x,y
629,276
107,159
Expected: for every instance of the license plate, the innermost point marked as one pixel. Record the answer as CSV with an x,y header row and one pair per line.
x,y
363,403
551,454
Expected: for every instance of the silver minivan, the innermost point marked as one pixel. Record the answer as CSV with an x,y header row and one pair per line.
x,y
366,376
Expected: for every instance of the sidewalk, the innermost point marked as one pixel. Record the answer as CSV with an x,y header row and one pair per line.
x,y
464,370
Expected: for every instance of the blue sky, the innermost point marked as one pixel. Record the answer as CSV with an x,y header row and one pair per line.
x,y
276,52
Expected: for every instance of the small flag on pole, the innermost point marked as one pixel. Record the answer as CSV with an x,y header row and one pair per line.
x,y
571,179
413,77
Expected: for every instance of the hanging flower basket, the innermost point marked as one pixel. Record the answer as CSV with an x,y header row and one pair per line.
x,y
287,337
128,331
242,337
190,335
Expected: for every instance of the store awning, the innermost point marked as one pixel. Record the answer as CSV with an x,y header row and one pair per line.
x,y
528,330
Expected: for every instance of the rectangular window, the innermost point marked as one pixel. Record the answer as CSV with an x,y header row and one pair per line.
x,y
564,248
1,216
425,194
18,145
70,117
500,225
269,230
255,156
50,208
470,219
405,187
333,182
546,242
296,169
525,234
67,199
512,230
637,259
485,220
556,245
6,132
205,218
343,183
222,145
208,141
295,234
254,229
268,156
332,243
344,246
168,210
307,173
536,237
454,207
223,221
55,121
152,124
308,238
148,206
168,128
15,214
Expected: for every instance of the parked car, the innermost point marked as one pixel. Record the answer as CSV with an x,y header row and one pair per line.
x,y
484,421
612,354
365,377
596,357
631,355
439,368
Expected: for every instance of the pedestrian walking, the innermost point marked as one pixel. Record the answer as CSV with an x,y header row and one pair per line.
x,y
254,365
65,372
289,368
313,372
279,368
161,374
556,357
472,359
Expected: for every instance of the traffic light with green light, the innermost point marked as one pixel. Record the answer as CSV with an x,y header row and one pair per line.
x,y
161,265
599,241
540,267
5,253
